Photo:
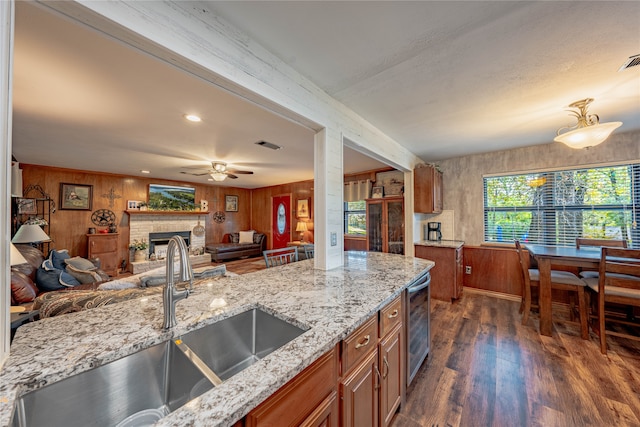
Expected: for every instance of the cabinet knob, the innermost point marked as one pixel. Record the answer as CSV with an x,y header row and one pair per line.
x,y
393,314
364,342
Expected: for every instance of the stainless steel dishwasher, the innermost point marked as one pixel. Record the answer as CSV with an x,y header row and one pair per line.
x,y
419,321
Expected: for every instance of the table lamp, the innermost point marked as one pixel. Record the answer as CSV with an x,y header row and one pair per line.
x,y
15,257
301,227
30,233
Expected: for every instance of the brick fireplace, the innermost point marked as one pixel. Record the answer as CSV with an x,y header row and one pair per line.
x,y
157,229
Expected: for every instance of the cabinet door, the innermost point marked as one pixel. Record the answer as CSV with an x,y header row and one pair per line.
x,y
395,227
427,189
360,393
391,368
325,415
374,227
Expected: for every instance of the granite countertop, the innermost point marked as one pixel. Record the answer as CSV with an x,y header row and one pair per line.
x,y
440,243
330,303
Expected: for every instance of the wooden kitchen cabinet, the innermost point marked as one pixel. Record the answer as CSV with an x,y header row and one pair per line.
x,y
447,274
392,374
105,248
325,415
373,383
359,391
385,225
427,189
303,400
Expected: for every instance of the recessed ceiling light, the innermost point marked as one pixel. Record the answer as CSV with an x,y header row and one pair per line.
x,y
144,171
192,118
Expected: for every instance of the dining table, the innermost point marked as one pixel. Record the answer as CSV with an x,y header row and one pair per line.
x,y
553,256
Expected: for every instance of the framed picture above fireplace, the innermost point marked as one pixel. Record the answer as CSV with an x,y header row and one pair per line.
x,y
171,198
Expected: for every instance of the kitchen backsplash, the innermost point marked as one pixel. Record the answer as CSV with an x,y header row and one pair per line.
x,y
446,218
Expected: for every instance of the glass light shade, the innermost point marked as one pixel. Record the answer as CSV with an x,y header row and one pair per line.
x,y
15,256
218,176
588,136
30,233
302,226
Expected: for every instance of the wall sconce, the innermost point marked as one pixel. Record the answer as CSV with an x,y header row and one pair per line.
x,y
588,131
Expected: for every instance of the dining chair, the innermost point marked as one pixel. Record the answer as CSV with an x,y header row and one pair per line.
x,y
275,257
597,243
618,283
308,251
561,280
583,241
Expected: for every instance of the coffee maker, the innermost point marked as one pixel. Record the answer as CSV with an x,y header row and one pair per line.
x,y
433,231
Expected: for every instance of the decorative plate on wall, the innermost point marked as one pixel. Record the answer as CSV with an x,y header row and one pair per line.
x,y
219,217
103,217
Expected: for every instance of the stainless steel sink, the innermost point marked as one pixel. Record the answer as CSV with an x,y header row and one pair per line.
x,y
143,387
231,345
136,390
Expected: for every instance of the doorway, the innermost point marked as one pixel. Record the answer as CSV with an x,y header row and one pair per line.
x,y
281,220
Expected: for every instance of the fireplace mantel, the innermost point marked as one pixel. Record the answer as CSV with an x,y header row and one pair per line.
x,y
162,213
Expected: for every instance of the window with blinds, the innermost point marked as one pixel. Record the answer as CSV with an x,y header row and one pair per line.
x,y
555,207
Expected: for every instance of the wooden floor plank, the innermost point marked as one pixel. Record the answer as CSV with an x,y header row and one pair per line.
x,y
487,369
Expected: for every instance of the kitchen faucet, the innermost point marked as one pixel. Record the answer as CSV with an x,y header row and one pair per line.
x,y
169,294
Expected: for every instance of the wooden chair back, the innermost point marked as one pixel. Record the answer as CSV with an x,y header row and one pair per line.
x,y
582,241
618,283
275,257
309,251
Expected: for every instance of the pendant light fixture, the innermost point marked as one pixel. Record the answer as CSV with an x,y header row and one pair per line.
x,y
588,131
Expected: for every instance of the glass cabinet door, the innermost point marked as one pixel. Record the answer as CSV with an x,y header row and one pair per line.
x,y
395,227
374,227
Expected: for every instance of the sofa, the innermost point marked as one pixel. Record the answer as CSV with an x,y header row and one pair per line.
x,y
41,275
237,245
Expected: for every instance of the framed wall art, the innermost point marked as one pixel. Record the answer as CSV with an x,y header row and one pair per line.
x,y
133,205
76,196
231,203
377,192
171,198
27,206
303,208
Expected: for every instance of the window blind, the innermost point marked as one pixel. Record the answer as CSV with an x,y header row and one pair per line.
x,y
556,207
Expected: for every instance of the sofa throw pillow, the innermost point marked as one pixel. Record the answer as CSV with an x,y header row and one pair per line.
x,y
80,263
58,258
246,236
54,280
257,238
83,276
235,237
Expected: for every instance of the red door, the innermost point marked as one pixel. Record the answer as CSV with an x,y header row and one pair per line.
x,y
281,221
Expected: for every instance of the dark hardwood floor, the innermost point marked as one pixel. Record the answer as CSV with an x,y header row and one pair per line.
x,y
486,369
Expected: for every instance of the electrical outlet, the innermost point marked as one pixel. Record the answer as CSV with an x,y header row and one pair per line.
x,y
467,269
334,239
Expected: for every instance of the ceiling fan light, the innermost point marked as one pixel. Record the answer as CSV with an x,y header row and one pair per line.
x,y
588,131
218,176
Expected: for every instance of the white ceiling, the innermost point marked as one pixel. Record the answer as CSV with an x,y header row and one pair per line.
x,y
442,78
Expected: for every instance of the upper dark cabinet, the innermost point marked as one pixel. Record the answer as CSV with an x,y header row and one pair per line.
x,y
427,189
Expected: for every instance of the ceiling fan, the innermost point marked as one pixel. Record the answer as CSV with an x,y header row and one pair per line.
x,y
219,172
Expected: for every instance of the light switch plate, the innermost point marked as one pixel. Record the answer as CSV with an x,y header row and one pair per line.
x,y
334,239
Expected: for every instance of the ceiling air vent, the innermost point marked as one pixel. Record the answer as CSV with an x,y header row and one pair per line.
x,y
631,62
268,145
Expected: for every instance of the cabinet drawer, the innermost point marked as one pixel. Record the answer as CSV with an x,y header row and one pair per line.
x,y
390,316
361,341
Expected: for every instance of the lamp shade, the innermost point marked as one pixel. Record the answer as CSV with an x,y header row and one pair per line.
x,y
588,136
30,233
16,257
302,226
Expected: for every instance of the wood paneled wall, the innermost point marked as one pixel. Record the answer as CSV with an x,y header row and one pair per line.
x,y
498,270
355,243
68,227
493,269
261,212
